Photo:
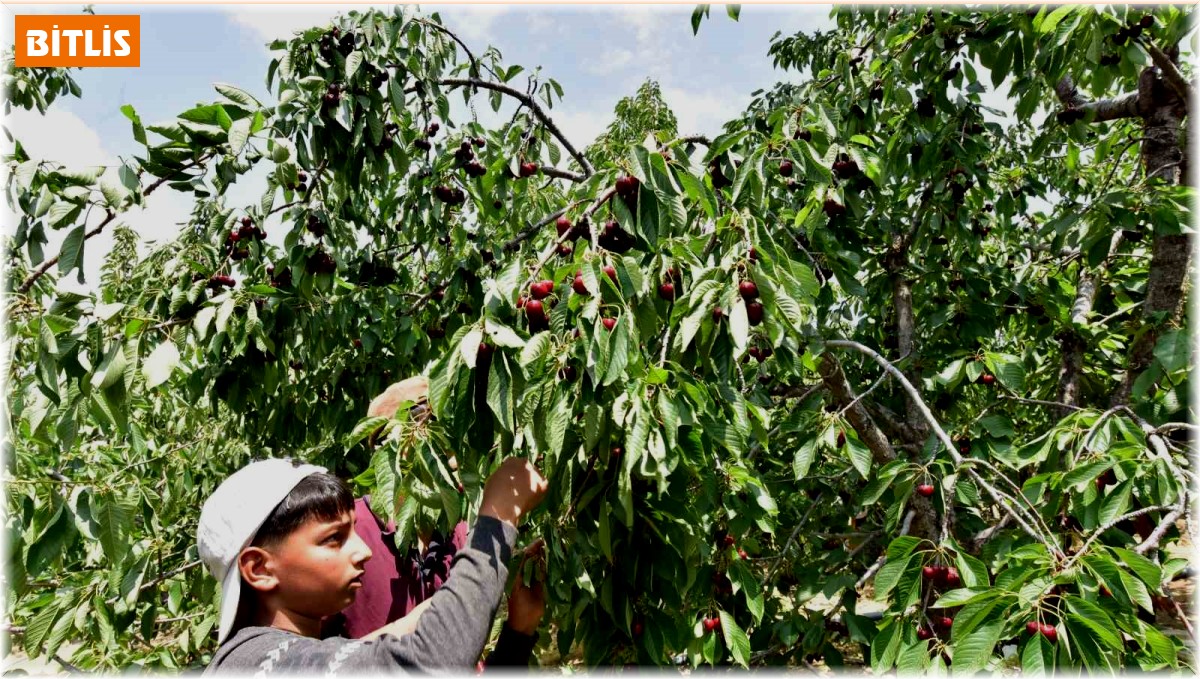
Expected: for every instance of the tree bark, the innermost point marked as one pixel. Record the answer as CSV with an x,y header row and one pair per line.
x,y
1163,113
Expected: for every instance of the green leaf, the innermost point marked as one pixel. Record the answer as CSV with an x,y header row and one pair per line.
x,y
1095,619
1172,351
160,364
972,570
971,654
115,522
1037,656
888,576
139,132
735,639
353,62
739,326
885,647
1140,565
804,459
237,95
697,17
239,134
39,628
71,255
734,11
860,456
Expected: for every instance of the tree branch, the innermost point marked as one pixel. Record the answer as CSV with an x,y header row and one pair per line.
x,y
537,110
41,270
1012,507
1170,71
843,394
1123,106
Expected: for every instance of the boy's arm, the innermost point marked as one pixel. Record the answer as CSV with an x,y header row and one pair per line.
x,y
453,630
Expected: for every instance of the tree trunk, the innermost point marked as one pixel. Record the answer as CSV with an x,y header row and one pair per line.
x,y
1163,113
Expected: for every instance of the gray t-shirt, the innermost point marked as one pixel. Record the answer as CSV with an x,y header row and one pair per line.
x,y
450,635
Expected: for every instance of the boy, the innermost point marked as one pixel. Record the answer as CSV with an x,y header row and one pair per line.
x,y
279,537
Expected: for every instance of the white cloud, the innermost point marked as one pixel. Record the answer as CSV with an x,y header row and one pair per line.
x,y
610,61
703,112
581,127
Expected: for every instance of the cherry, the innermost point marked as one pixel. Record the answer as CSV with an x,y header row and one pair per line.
x,y
754,311
944,622
611,272
615,452
748,290
562,226
728,541
929,572
925,490
534,310
528,169
637,629
742,553
578,286
1050,632
717,314
951,577
1033,627
667,292
484,352
924,633
541,289
609,323
521,301
841,439
785,168
987,379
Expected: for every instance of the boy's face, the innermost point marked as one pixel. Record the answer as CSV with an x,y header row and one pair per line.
x,y
319,567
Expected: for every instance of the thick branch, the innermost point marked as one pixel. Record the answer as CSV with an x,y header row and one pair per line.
x,y
533,106
1123,106
843,395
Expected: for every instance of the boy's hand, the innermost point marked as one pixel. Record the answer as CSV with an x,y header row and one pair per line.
x,y
527,603
413,389
515,488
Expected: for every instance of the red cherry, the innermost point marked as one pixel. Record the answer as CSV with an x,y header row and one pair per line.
x,y
534,310
235,235
609,323
357,343
952,578
944,622
541,289
754,311
1050,632
841,439
563,225
742,553
925,490
717,314
611,272
785,168
748,290
667,292
1033,627
929,572
578,285
924,633
753,254
521,301
987,379
637,629
728,541
484,351
615,451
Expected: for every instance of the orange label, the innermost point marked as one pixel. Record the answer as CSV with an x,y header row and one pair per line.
x,y
78,40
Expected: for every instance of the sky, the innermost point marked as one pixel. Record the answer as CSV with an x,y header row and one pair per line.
x,y
598,54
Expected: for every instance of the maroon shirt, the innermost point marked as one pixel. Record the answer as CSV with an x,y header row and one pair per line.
x,y
394,581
